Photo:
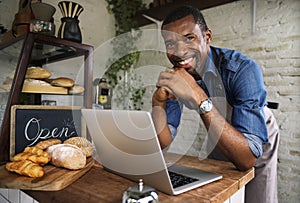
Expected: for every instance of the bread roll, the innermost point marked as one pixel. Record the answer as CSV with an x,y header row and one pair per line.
x,y
67,156
47,143
37,73
76,89
61,82
81,142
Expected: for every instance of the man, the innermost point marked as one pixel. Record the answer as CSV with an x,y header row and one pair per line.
x,y
245,133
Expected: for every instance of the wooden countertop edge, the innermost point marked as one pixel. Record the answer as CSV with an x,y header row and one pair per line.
x,y
220,190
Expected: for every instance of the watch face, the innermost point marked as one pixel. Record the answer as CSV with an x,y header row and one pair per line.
x,y
205,106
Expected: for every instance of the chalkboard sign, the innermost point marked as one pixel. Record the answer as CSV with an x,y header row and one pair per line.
x,y
31,124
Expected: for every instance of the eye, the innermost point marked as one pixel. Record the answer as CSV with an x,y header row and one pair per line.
x,y
189,38
169,44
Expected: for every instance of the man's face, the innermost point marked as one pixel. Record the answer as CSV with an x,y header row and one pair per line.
x,y
185,44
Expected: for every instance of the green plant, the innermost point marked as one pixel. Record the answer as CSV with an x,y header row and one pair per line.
x,y
125,52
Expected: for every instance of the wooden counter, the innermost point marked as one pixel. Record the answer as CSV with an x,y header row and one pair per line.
x,y
98,185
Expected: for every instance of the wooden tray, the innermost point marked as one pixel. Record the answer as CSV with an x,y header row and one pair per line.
x,y
54,179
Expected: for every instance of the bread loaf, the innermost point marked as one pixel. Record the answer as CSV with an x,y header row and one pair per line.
x,y
67,156
76,89
26,168
61,82
36,82
37,73
81,142
47,143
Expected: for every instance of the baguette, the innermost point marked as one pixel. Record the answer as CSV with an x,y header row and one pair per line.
x,y
26,168
76,89
61,82
47,143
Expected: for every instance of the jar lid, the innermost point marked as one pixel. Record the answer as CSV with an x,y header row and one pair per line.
x,y
102,80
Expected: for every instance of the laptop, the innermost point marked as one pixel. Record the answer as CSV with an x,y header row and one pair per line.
x,y
127,145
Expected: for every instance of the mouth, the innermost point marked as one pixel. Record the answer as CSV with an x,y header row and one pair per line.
x,y
185,63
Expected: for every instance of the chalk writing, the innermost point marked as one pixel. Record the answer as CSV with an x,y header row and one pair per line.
x,y
40,133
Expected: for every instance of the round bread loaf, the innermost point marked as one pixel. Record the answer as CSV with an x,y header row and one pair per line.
x,y
61,82
37,73
67,156
81,142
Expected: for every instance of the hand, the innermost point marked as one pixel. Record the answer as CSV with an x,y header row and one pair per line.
x,y
183,86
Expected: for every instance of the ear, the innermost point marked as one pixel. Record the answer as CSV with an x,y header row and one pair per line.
x,y
208,36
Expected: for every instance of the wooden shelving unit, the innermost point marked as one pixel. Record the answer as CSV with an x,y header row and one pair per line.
x,y
39,49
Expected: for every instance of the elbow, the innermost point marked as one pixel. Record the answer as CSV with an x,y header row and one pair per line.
x,y
164,144
246,165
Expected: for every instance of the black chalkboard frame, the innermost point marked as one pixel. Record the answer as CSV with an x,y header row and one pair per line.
x,y
58,118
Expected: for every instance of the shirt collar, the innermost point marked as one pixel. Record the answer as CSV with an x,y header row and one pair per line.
x,y
209,66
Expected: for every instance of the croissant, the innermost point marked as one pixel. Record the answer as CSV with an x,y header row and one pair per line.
x,y
37,151
42,160
26,168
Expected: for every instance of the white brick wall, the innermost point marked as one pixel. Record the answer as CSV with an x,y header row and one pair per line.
x,y
275,47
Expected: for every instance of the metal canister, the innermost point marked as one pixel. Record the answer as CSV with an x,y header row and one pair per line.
x,y
140,194
104,94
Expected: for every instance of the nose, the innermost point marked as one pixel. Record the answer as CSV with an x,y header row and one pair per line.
x,y
181,49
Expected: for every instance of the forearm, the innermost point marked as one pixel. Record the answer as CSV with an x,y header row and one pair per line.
x,y
230,141
160,122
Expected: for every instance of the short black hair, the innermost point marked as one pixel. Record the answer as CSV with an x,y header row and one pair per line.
x,y
184,11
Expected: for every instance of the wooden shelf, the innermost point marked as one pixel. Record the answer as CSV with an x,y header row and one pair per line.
x,y
28,88
38,49
162,11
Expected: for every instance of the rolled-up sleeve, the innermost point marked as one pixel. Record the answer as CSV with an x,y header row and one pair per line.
x,y
249,100
255,144
247,95
173,110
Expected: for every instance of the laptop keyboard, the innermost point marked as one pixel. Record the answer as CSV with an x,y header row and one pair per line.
x,y
179,179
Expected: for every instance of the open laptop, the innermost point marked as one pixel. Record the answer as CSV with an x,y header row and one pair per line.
x,y
127,145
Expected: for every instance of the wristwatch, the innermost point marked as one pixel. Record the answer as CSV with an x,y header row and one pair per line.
x,y
205,106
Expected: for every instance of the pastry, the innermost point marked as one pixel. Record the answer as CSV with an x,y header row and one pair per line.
x,y
47,143
81,142
37,73
36,151
76,89
61,82
26,168
41,160
67,156
34,155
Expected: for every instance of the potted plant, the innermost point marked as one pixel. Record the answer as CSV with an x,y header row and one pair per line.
x,y
128,88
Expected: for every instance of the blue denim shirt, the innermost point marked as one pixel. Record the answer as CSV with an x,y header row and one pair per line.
x,y
242,80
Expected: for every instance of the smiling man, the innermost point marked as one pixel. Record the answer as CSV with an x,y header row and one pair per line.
x,y
246,132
